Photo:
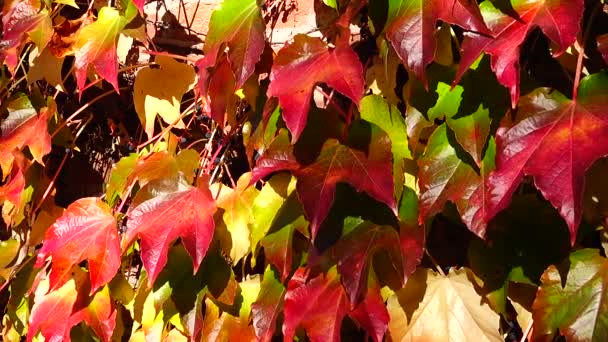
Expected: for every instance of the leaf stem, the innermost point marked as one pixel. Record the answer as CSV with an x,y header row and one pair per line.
x,y
581,52
50,186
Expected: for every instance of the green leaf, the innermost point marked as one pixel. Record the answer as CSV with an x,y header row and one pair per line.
x,y
573,300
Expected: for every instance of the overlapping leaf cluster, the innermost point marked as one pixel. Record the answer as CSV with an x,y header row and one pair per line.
x,y
416,171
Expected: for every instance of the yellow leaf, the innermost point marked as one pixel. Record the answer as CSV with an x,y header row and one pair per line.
x,y
45,66
159,92
450,310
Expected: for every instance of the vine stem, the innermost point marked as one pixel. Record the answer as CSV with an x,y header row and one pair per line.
x,y
80,110
581,52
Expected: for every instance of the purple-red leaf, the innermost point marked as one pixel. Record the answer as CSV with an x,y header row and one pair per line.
x,y
559,20
602,46
86,231
555,141
318,305
337,163
186,214
300,65
371,313
411,27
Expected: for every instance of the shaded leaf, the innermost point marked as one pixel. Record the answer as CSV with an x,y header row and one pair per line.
x,y
555,140
318,305
86,231
302,64
337,163
371,312
159,221
411,27
267,307
602,46
355,251
445,176
574,303
559,20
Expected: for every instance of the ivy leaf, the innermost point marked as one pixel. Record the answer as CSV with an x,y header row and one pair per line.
x,y
445,176
371,312
186,213
238,214
86,231
555,141
24,127
355,251
302,64
559,20
99,314
376,110
450,310
19,19
471,132
96,45
337,163
268,305
51,312
318,305
238,24
159,92
411,28
278,246
575,305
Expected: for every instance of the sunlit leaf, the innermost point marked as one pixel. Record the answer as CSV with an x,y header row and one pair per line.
x,y
555,140
304,63
95,46
159,92
24,127
450,310
573,302
158,222
411,27
86,231
51,312
559,20
267,307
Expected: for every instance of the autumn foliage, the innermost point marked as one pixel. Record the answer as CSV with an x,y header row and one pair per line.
x,y
409,170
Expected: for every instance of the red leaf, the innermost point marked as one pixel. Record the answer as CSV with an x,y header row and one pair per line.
x,y
559,20
355,251
221,87
555,140
140,5
17,21
337,163
304,63
318,306
238,24
100,315
161,220
267,307
96,46
23,127
86,231
12,190
372,314
278,249
51,313
411,28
